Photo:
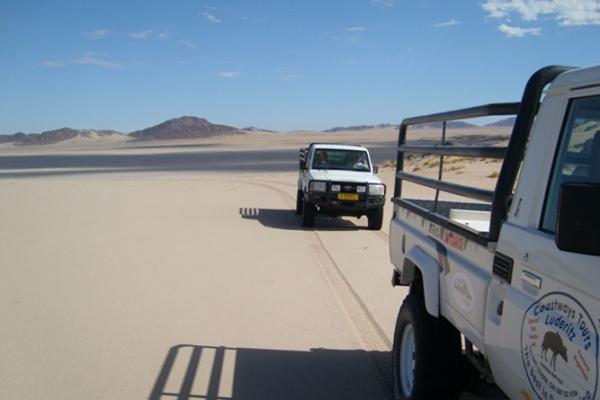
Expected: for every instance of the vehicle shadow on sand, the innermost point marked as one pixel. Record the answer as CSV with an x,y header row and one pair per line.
x,y
219,373
191,371
288,220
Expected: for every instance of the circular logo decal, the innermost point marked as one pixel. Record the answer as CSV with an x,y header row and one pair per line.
x,y
559,348
463,291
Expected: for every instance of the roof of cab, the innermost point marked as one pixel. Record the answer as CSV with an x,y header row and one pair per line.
x,y
338,146
577,78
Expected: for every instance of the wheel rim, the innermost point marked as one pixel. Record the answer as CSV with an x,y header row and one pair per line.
x,y
407,360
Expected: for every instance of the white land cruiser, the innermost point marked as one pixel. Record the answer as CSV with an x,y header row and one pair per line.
x,y
339,180
517,273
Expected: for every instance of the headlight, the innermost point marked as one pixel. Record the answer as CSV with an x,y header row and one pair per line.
x,y
335,188
376,190
361,189
316,186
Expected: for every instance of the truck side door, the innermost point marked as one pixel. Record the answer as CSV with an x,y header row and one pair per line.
x,y
542,324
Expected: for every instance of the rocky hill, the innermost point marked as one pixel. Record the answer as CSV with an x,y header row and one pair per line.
x,y
184,128
17,137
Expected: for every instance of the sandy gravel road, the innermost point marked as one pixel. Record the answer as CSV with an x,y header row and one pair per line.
x,y
164,271
171,286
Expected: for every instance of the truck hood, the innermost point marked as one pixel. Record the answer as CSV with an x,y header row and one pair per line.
x,y
343,176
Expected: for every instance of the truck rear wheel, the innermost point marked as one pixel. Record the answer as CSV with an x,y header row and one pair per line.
x,y
309,213
426,354
299,202
376,218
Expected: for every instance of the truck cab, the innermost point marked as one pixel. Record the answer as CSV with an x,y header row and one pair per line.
x,y
516,273
339,180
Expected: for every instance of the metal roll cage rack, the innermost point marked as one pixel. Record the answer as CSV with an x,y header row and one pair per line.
x,y
501,197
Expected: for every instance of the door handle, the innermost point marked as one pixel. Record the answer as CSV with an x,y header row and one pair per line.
x,y
531,279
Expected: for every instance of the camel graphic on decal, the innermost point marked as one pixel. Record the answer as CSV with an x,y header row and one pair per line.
x,y
553,341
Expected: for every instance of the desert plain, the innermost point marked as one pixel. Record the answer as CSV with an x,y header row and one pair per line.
x,y
178,270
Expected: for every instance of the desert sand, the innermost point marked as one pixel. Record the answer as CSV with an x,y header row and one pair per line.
x,y
168,270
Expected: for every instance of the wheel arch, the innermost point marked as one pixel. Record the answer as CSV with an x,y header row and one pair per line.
x,y
418,265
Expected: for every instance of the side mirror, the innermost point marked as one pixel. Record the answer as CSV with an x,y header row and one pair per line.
x,y
578,219
302,165
375,169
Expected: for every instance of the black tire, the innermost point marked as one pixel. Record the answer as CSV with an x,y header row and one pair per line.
x,y
376,219
309,213
299,202
437,359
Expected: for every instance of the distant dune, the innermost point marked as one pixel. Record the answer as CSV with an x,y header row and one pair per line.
x,y
255,129
355,128
503,123
54,136
449,125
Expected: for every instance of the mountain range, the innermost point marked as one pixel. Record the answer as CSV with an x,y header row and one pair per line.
x,y
176,128
188,127
54,136
503,123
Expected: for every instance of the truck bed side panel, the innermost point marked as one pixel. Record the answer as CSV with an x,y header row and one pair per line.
x,y
462,279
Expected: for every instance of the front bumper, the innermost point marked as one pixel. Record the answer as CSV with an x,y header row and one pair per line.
x,y
329,203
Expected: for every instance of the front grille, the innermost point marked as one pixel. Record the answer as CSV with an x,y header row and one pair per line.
x,y
346,187
503,267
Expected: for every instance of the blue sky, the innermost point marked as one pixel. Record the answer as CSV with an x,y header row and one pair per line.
x,y
275,64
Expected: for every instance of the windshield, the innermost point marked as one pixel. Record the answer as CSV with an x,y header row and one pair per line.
x,y
353,160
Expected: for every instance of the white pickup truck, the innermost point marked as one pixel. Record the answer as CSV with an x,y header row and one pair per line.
x,y
510,282
339,180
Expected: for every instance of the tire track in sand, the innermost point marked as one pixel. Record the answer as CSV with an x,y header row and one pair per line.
x,y
372,337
